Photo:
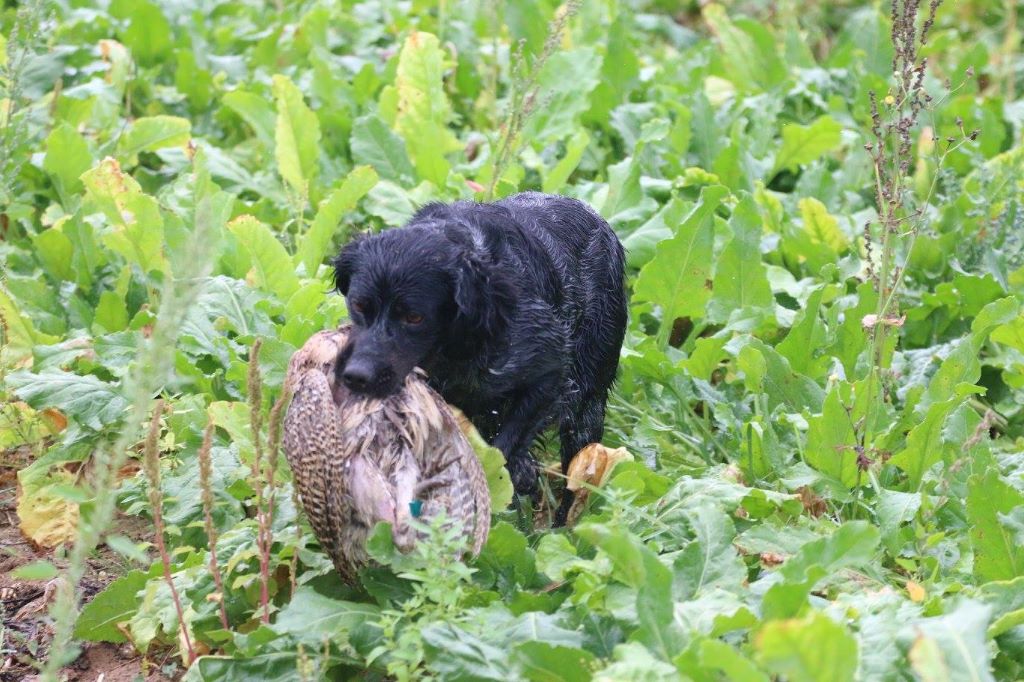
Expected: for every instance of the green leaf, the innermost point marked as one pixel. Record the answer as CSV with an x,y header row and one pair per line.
x,y
67,157
423,108
36,570
678,278
457,655
741,280
831,441
296,136
20,334
89,401
804,144
997,554
255,111
111,313
151,133
313,618
493,462
556,177
273,270
718,655
565,84
117,603
374,144
749,56
709,560
808,649
925,446
807,334
148,33
315,244
543,662
137,228
953,646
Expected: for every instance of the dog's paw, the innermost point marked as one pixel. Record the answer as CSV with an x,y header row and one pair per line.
x,y
523,471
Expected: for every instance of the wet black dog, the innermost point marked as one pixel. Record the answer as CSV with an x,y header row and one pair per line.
x,y
515,309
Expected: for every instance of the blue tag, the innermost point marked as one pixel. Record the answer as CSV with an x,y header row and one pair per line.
x,y
416,508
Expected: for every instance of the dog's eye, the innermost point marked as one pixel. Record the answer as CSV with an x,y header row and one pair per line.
x,y
358,306
412,318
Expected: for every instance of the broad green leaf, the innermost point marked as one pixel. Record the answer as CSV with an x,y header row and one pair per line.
x,y
709,560
148,33
543,662
455,654
565,85
808,649
296,136
137,228
89,401
832,442
312,618
315,244
741,280
115,604
255,111
925,446
557,176
821,227
803,144
151,133
423,108
997,554
806,335
67,157
374,144
641,243
56,252
273,270
717,655
748,55
678,278
769,372
111,313
953,647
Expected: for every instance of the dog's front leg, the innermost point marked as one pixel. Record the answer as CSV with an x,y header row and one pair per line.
x,y
526,414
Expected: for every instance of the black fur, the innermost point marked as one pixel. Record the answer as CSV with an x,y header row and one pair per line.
x,y
523,313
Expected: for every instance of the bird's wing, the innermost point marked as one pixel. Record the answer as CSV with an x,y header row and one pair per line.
x,y
310,442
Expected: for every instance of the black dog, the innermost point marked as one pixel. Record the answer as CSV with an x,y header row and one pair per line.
x,y
516,310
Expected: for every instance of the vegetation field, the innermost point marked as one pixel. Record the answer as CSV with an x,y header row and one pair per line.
x,y
820,398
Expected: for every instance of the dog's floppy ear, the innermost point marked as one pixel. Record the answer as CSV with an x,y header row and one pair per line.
x,y
345,264
484,294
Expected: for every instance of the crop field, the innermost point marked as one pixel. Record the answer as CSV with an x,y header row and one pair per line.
x,y
815,445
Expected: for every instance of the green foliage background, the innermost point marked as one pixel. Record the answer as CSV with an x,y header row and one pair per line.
x,y
780,520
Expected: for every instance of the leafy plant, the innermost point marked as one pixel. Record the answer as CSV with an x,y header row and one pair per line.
x,y
820,385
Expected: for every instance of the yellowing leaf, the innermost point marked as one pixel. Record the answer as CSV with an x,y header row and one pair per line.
x,y
296,136
272,267
423,108
138,227
822,227
46,518
21,334
915,591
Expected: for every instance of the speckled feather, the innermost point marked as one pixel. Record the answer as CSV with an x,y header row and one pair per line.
x,y
360,460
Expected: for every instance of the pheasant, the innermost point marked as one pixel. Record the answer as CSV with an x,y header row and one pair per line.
x,y
359,460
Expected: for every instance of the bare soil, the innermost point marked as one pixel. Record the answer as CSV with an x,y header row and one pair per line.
x,y
25,631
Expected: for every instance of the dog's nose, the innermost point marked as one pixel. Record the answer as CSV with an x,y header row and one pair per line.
x,y
357,375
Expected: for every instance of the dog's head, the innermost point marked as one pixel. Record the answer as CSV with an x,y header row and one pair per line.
x,y
412,294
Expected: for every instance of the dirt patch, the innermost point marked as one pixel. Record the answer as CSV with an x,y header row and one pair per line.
x,y
26,633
